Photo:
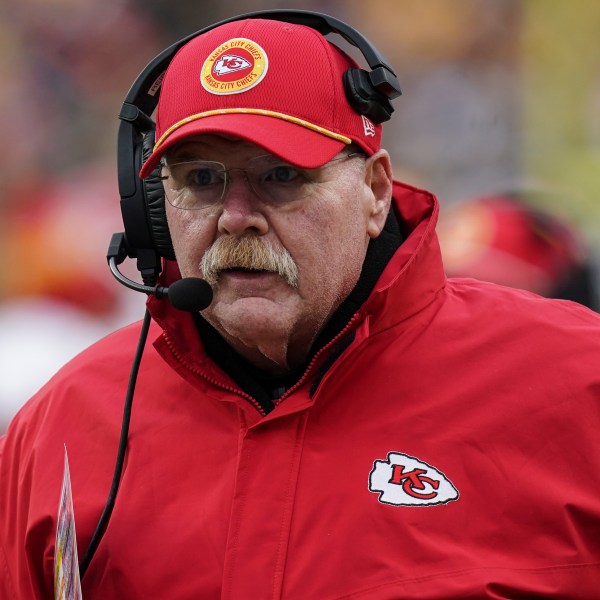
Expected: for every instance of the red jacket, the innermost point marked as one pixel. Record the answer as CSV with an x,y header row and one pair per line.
x,y
451,452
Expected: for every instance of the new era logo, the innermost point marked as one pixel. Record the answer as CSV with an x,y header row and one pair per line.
x,y
403,480
368,127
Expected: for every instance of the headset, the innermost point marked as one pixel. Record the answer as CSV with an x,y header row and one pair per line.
x,y
146,235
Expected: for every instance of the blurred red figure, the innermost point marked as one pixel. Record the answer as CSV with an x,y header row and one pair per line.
x,y
506,240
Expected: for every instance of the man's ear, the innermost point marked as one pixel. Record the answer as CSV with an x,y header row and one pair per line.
x,y
379,178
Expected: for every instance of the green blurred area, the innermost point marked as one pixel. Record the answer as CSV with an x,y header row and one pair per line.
x,y
560,85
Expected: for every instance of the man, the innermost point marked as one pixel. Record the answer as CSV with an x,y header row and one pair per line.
x,y
341,421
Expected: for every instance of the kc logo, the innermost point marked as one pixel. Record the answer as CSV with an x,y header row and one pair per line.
x,y
228,63
403,480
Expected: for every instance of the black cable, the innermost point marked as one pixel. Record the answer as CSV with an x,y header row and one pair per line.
x,y
112,496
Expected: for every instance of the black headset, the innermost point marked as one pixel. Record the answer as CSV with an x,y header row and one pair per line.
x,y
147,236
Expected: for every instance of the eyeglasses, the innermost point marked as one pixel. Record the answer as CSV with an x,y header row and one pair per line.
x,y
202,184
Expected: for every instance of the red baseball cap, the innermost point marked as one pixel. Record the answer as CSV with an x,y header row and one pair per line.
x,y
276,84
507,240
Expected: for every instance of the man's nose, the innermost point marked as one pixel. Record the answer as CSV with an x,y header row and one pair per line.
x,y
242,210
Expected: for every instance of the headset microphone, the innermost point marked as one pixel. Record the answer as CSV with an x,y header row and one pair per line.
x,y
190,294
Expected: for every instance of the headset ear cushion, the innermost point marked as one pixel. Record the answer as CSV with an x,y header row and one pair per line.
x,y
364,98
154,194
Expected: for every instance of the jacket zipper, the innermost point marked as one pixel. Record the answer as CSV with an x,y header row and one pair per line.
x,y
243,394
326,347
214,382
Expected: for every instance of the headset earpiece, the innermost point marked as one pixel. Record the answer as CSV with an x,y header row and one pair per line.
x,y
365,98
154,194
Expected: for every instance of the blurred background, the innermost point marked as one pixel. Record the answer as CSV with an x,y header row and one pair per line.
x,y
499,98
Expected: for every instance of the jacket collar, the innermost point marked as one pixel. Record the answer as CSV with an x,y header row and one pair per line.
x,y
415,275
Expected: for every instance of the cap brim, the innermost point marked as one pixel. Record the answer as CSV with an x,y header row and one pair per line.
x,y
293,143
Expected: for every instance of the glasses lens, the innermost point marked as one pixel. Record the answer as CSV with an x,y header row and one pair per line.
x,y
194,185
278,182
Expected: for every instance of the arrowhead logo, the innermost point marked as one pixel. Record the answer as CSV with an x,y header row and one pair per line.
x,y
403,480
229,63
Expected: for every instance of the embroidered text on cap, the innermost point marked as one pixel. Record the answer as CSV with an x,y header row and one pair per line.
x,y
234,67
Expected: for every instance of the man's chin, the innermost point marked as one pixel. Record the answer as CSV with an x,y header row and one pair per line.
x,y
252,310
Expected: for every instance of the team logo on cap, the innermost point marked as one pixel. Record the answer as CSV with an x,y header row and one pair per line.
x,y
234,67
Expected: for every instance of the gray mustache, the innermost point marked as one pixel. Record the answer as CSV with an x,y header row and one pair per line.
x,y
248,252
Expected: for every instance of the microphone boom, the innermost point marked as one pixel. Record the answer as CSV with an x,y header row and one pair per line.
x,y
190,294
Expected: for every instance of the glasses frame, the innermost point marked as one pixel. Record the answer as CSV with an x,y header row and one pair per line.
x,y
307,173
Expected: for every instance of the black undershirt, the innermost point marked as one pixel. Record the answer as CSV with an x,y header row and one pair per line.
x,y
265,387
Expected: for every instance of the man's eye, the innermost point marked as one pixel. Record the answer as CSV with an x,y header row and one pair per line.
x,y
284,174
204,176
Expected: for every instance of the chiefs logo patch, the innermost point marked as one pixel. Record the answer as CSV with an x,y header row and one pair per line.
x,y
403,480
234,67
